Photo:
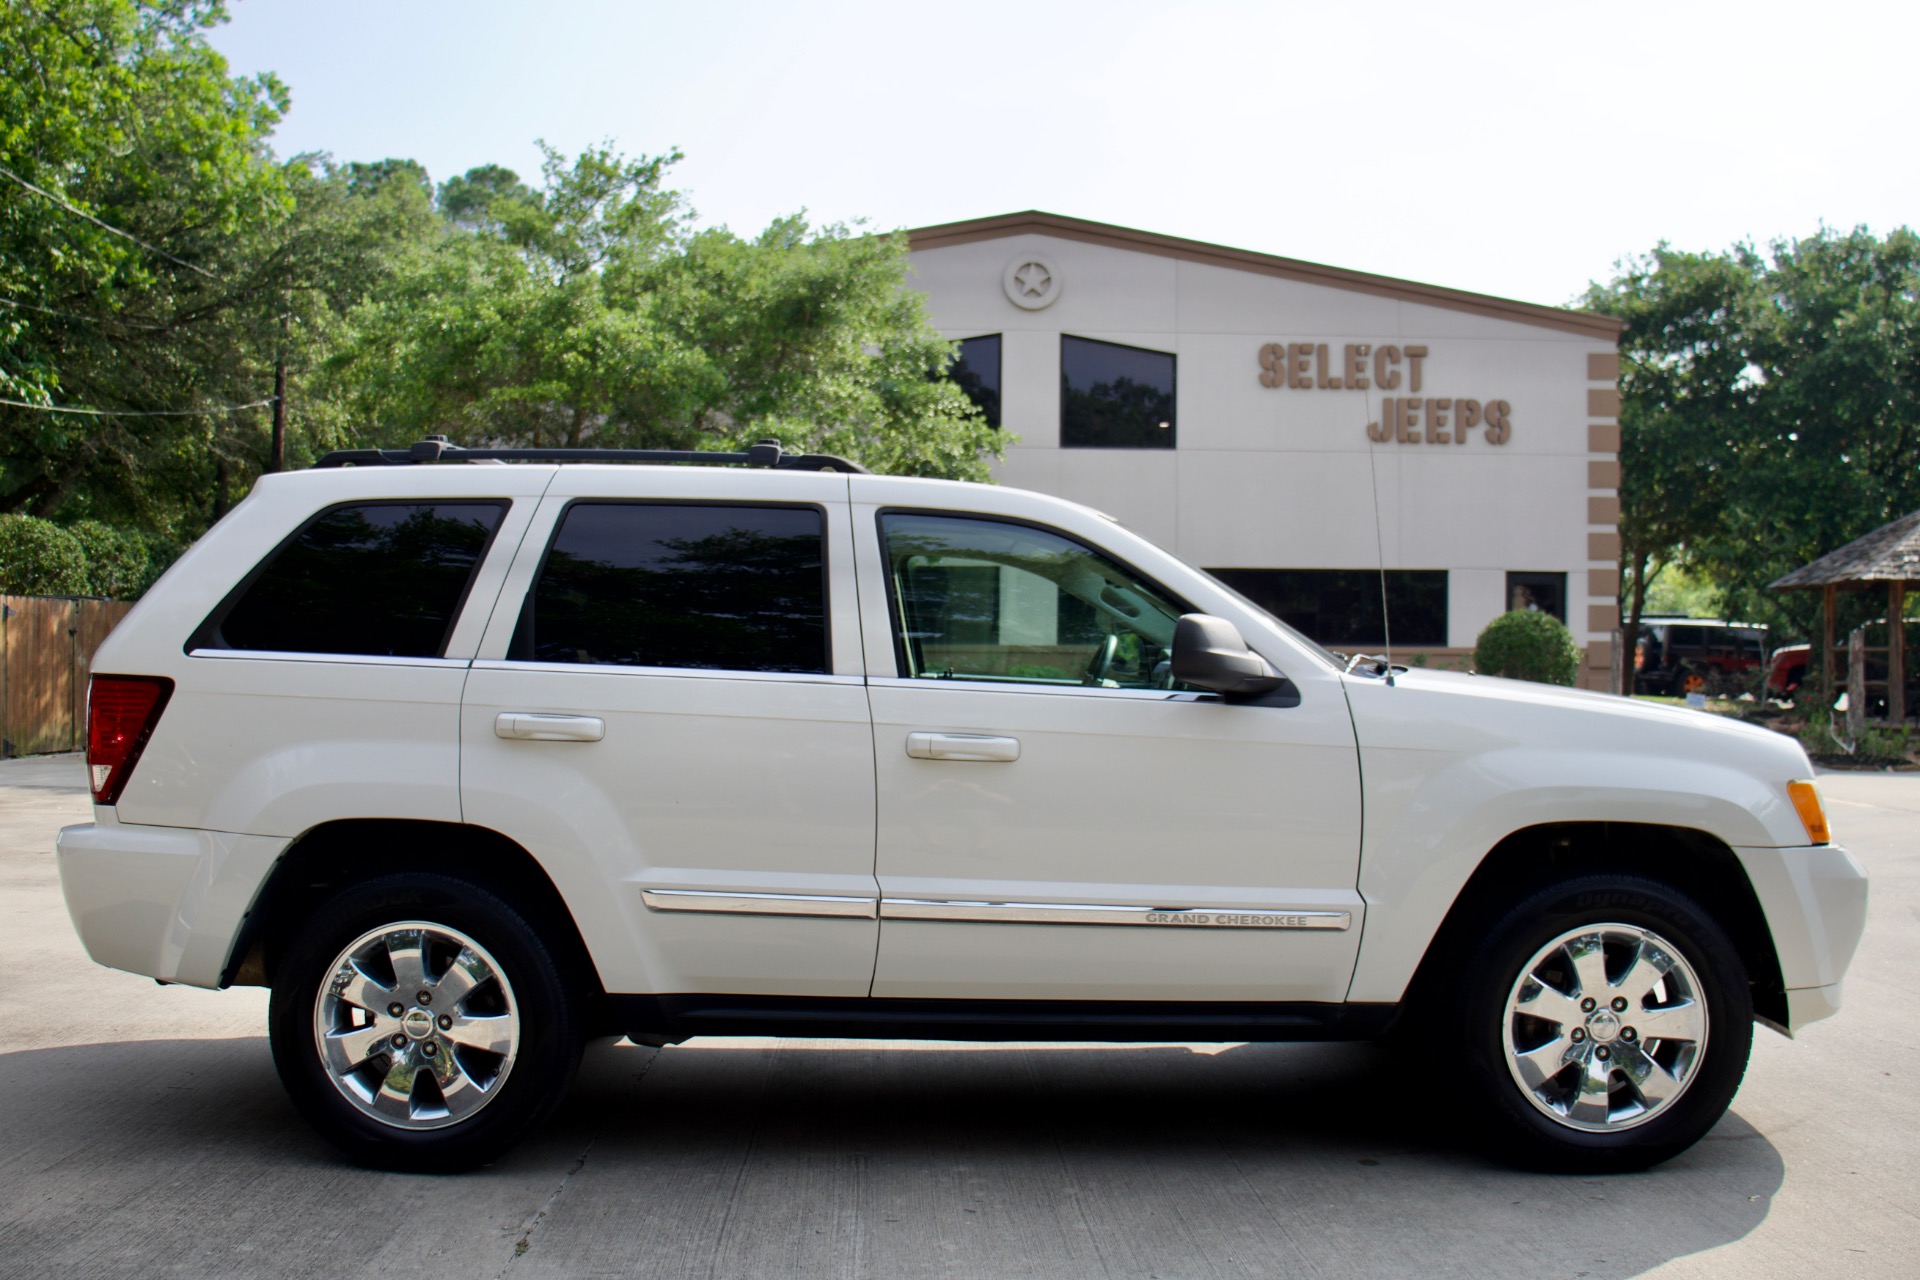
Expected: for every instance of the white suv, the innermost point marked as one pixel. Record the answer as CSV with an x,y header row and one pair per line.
x,y
470,762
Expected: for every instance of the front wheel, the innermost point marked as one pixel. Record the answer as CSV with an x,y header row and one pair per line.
x,y
420,1023
1606,1023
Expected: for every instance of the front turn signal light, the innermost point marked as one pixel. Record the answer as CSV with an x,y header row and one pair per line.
x,y
1806,803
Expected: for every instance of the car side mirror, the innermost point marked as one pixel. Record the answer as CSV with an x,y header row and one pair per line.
x,y
1210,653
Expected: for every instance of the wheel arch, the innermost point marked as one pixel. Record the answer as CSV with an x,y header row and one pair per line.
x,y
333,855
1697,864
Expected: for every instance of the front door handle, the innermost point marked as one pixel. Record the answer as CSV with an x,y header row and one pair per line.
x,y
535,726
961,746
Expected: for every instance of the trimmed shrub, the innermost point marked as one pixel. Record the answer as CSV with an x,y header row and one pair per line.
x,y
116,561
39,558
1528,644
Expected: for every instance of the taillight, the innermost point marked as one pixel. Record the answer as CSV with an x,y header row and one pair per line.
x,y
121,714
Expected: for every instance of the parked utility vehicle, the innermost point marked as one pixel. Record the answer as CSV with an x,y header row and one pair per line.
x,y
470,762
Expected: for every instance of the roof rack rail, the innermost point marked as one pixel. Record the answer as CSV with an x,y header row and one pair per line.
x,y
767,453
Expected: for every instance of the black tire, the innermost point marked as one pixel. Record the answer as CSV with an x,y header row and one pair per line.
x,y
510,990
1565,1123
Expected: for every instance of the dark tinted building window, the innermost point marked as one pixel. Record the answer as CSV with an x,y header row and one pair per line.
x,y
1115,397
976,371
1546,592
681,585
1342,606
382,579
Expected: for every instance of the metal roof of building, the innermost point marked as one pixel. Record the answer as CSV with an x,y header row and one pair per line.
x,y
1890,553
1035,222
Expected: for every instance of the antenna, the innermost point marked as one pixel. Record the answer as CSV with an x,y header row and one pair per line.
x,y
1379,540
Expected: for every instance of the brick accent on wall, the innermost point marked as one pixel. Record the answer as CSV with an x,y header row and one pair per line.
x,y
1603,516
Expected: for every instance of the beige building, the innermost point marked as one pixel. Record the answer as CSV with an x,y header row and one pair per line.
x,y
1291,427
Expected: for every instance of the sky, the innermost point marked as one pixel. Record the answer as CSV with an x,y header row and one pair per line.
x,y
1519,150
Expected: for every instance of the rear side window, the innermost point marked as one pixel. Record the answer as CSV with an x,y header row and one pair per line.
x,y
718,587
374,579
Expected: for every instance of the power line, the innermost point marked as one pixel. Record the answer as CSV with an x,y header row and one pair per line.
x,y
140,413
74,315
104,226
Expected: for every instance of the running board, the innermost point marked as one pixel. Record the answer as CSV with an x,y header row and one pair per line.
x,y
671,1018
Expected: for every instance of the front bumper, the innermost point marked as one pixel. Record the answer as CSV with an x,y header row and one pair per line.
x,y
1815,900
164,902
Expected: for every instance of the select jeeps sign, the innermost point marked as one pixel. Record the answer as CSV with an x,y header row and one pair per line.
x,y
1309,366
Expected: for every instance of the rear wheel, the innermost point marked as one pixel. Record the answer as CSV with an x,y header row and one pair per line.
x,y
1606,1024
419,1022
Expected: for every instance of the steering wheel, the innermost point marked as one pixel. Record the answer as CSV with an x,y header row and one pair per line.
x,y
1102,661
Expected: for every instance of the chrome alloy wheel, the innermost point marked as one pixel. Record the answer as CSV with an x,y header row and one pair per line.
x,y
1604,1027
416,1025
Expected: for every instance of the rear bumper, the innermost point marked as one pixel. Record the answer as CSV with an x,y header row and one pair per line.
x,y
1815,900
163,902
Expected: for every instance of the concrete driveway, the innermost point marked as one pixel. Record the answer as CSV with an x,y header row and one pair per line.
x,y
143,1133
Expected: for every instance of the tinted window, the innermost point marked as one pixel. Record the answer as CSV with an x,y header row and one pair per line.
x,y
976,371
381,579
985,600
1115,397
1342,606
681,585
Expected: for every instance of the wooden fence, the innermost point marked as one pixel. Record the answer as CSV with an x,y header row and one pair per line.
x,y
47,645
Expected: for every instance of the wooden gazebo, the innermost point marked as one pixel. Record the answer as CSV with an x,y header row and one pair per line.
x,y
1889,555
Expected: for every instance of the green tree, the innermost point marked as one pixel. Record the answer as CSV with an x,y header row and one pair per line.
x,y
591,313
1833,448
1770,412
133,165
157,262
1686,405
468,200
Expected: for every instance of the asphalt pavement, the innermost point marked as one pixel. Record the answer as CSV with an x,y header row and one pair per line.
x,y
143,1133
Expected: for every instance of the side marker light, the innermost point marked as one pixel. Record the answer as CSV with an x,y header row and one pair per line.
x,y
1806,802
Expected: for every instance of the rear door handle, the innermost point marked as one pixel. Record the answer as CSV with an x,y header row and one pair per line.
x,y
534,726
961,746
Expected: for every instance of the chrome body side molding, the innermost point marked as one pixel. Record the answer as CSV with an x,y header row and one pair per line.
x,y
1081,913
718,902
758,904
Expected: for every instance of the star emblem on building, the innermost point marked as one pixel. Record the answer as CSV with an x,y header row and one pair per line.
x,y
1033,279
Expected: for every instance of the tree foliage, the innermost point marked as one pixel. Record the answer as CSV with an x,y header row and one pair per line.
x,y
591,313
1834,337
136,169
163,270
1685,405
1770,411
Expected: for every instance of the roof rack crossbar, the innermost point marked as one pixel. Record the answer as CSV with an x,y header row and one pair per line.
x,y
767,453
